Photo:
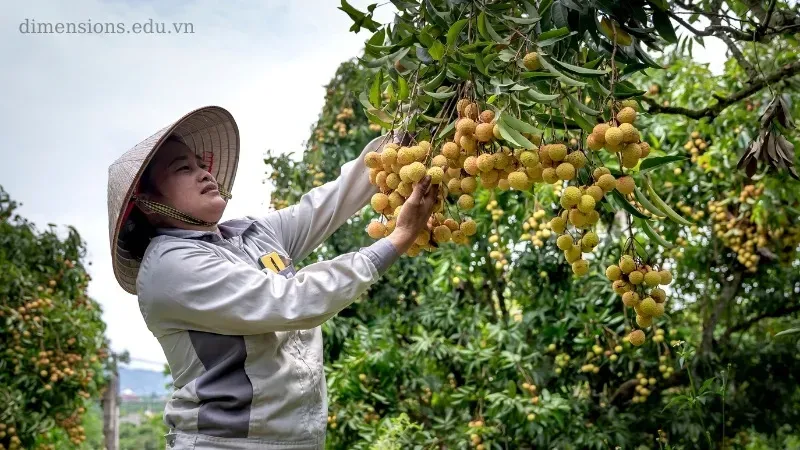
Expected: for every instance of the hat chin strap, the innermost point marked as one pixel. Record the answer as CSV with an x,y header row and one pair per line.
x,y
169,211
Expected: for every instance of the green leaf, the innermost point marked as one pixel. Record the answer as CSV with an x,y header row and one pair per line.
x,y
622,202
513,136
454,31
436,50
375,91
540,97
553,40
460,71
402,87
647,204
662,205
486,30
375,119
582,107
523,20
664,26
518,125
436,81
528,75
558,32
360,19
440,95
556,120
651,233
653,163
789,331
561,77
579,119
581,70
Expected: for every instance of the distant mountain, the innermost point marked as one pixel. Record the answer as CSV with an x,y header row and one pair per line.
x,y
143,382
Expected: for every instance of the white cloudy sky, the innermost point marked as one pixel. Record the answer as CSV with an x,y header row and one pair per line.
x,y
73,103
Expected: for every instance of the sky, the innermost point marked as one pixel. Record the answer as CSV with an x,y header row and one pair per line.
x,y
74,103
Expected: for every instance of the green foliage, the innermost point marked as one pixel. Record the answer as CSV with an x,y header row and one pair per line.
x,y
147,435
513,352
51,335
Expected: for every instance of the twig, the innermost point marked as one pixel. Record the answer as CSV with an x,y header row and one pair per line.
x,y
712,111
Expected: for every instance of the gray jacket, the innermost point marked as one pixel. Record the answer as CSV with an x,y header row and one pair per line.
x,y
242,338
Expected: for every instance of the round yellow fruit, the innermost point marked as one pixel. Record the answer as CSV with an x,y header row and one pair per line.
x,y
373,160
626,264
644,321
557,152
466,202
596,192
485,162
614,136
379,201
577,159
626,115
629,133
518,180
564,242
586,204
472,111
594,143
558,224
607,182
436,174
549,175
466,126
529,159
636,277
625,185
613,272
376,230
636,337
531,61
589,241
468,185
442,234
469,227
658,295
450,150
487,116
580,267
471,165
652,279
630,299
565,171
666,277
648,307
599,172
439,161
571,196
483,132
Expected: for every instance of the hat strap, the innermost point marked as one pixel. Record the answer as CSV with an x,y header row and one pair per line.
x,y
171,212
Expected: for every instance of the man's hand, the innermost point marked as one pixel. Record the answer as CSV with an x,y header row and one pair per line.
x,y
414,214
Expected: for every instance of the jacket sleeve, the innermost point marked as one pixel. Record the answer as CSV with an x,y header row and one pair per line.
x,y
186,286
302,227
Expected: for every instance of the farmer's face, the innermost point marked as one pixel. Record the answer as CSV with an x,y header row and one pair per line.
x,y
183,182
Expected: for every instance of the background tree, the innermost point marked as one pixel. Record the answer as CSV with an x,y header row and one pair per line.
x,y
52,341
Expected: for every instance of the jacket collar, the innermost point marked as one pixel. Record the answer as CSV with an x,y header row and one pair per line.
x,y
228,229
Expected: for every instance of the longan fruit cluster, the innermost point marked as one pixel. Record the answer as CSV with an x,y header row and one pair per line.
x,y
696,145
396,170
637,284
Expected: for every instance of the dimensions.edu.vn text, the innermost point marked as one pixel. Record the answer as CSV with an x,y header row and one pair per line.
x,y
30,26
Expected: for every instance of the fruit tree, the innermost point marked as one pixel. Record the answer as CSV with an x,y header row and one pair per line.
x,y
52,339
616,242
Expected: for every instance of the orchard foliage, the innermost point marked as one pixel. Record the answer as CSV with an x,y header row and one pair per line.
x,y
494,342
52,344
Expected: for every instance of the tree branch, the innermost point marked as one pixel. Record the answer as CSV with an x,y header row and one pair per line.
x,y
780,312
729,291
759,33
712,111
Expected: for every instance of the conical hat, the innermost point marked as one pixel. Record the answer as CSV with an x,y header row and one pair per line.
x,y
210,132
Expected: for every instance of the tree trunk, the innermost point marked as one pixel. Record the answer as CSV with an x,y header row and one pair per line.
x,y
111,411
